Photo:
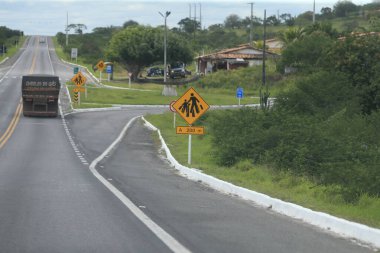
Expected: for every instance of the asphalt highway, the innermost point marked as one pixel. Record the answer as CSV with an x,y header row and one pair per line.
x,y
51,202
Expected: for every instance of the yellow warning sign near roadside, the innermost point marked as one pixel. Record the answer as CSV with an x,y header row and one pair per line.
x,y
190,130
100,66
190,106
79,79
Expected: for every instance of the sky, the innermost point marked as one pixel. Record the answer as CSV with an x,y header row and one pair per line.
x,y
42,17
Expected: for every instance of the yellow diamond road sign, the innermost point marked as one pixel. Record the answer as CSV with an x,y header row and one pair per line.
x,y
79,79
100,66
190,106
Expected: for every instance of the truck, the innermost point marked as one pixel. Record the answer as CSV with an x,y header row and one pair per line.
x,y
40,95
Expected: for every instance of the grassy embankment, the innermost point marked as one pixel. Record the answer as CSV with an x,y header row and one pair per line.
x,y
284,186
149,93
13,49
262,179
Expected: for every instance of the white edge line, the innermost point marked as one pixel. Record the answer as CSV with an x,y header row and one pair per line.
x,y
166,238
13,66
343,228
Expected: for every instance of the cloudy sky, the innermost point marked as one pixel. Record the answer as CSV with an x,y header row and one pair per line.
x,y
41,17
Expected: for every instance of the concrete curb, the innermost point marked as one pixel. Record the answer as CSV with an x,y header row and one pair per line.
x,y
89,72
344,228
5,59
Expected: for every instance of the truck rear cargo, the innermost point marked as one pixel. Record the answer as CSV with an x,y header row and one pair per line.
x,y
40,95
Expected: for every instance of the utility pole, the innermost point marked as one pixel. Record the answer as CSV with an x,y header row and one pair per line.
x,y
165,38
314,12
67,29
264,96
200,15
190,11
168,89
251,26
195,12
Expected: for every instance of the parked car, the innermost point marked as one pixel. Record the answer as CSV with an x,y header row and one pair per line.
x,y
177,70
155,71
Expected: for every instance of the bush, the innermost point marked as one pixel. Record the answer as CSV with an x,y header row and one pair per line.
x,y
313,132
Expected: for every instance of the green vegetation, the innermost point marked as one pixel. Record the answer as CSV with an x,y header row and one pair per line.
x,y
10,41
318,146
153,96
282,184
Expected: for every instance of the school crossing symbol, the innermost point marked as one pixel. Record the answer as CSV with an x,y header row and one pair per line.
x,y
79,79
190,106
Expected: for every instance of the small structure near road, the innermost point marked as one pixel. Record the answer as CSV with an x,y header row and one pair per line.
x,y
231,58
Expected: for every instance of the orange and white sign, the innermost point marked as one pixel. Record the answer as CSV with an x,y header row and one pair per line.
x,y
190,130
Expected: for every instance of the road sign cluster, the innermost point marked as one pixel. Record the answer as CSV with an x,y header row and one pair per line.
x,y
78,79
190,107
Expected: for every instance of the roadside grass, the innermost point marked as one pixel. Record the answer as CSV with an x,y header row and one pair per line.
x,y
285,186
13,49
108,96
62,55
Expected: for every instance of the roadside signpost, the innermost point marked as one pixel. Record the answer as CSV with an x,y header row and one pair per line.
x,y
100,66
76,69
109,72
174,111
129,78
239,93
74,54
190,107
79,79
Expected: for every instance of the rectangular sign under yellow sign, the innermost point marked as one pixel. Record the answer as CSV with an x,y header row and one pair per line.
x,y
79,89
190,130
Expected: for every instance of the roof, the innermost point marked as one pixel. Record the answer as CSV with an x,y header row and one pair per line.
x,y
249,52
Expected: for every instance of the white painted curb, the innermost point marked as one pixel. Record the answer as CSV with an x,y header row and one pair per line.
x,y
89,72
5,59
344,228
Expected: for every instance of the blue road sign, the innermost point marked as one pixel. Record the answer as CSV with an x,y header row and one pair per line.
x,y
239,92
109,69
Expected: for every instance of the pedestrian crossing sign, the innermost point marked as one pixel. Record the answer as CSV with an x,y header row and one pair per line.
x,y
190,106
79,79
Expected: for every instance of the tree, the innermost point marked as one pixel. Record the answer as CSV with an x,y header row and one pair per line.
x,y
78,28
138,46
343,8
305,53
233,21
327,13
291,35
130,23
272,20
357,57
188,25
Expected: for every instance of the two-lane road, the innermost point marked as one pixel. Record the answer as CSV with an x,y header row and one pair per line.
x,y
51,202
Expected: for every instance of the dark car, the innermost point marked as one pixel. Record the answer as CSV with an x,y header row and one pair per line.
x,y
177,70
155,71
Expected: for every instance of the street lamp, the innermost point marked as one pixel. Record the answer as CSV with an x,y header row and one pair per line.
x,y
165,37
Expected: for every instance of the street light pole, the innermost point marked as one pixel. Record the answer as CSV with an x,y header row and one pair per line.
x,y
165,38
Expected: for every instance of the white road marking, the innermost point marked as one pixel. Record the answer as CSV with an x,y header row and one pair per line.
x,y
165,237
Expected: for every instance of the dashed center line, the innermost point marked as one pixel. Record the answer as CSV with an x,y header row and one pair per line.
x,y
73,145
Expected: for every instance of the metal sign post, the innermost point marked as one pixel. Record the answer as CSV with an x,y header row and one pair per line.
x,y
239,94
190,107
100,66
189,151
174,111
129,77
